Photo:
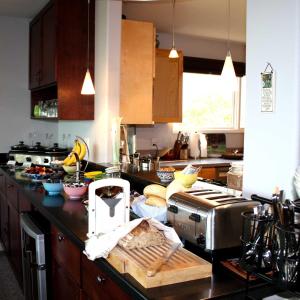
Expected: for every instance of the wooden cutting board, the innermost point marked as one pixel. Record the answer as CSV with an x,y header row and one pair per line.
x,y
182,266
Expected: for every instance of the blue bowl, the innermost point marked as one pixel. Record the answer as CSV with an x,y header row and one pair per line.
x,y
53,188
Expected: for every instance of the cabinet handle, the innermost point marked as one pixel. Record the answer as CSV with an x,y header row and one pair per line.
x,y
60,237
100,279
1,175
9,186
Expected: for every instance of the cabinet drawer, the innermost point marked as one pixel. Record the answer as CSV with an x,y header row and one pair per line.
x,y
98,285
208,173
12,193
66,254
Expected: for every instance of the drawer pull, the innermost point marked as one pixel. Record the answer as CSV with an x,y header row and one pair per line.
x,y
9,186
100,279
60,237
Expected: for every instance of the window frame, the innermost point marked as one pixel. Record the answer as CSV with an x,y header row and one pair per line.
x,y
214,66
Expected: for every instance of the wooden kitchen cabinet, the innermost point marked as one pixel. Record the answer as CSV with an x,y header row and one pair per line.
x,y
65,267
42,48
4,222
97,285
58,51
15,252
167,99
151,83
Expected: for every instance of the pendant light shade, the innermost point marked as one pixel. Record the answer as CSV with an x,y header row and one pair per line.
x,y
173,53
228,74
88,86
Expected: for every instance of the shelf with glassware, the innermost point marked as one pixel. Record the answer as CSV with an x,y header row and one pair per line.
x,y
57,68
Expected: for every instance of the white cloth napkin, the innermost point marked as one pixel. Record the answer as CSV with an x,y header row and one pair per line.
x,y
101,245
143,210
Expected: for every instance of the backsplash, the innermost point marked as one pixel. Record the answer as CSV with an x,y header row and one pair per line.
x,y
163,136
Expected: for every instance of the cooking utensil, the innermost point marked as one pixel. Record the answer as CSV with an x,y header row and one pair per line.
x,y
162,260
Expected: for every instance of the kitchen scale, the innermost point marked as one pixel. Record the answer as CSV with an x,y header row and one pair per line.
x,y
109,205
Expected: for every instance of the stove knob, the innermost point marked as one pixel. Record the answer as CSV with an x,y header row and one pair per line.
x,y
46,160
28,159
201,239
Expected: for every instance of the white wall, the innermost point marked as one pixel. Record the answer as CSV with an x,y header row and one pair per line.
x,y
272,139
107,83
15,122
203,47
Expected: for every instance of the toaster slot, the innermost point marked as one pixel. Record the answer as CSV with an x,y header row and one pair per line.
x,y
231,200
206,193
198,191
219,197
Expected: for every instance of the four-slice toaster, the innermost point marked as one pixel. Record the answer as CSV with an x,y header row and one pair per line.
x,y
208,218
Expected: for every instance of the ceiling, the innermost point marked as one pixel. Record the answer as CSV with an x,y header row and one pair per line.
x,y
21,8
200,18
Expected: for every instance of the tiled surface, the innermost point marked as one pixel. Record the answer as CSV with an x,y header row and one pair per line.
x,y
9,288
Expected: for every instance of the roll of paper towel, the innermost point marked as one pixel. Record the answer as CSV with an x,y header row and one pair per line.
x,y
194,145
203,145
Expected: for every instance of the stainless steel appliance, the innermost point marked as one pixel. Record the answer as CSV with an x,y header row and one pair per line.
x,y
33,259
208,217
37,154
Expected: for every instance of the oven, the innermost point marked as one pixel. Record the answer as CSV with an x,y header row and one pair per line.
x,y
33,258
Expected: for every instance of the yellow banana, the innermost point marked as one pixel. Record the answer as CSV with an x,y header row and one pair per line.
x,y
71,159
83,151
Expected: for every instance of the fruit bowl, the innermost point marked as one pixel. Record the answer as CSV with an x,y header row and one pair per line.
x,y
75,190
187,180
53,188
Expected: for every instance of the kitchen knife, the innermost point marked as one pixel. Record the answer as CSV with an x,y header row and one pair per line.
x,y
162,260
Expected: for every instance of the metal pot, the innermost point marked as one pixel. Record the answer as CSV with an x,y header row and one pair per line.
x,y
21,147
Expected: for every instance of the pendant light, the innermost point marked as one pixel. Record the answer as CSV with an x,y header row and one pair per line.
x,y
88,86
173,53
228,74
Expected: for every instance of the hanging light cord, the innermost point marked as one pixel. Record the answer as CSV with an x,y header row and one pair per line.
x,y
88,36
228,27
173,17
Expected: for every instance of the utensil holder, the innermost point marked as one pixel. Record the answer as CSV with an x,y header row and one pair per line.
x,y
287,258
256,240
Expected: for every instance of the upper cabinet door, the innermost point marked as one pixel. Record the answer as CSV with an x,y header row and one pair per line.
x,y
137,64
35,54
167,100
48,75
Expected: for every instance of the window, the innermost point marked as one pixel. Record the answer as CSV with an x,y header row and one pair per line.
x,y
208,107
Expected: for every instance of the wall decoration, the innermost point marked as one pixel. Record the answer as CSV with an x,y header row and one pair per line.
x,y
268,89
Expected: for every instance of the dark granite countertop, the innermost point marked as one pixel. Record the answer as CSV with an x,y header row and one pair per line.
x,y
70,217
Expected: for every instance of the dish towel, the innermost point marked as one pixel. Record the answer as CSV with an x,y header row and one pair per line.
x,y
101,245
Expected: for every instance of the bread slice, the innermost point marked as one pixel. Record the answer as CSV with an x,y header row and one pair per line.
x,y
155,190
156,201
144,235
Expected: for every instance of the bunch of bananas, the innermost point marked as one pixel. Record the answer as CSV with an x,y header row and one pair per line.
x,y
79,148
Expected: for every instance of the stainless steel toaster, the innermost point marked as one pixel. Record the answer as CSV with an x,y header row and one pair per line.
x,y
208,218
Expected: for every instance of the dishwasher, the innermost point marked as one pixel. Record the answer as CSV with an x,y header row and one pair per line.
x,y
33,240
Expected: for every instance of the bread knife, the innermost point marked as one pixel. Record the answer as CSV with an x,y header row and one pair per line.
x,y
162,260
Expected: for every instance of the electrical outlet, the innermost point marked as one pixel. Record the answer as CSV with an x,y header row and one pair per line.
x,y
155,141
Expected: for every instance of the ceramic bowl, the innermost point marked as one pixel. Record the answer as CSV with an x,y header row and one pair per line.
x,y
53,188
187,180
165,176
74,190
69,169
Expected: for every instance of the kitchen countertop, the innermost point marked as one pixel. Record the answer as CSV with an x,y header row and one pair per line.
x,y
71,218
